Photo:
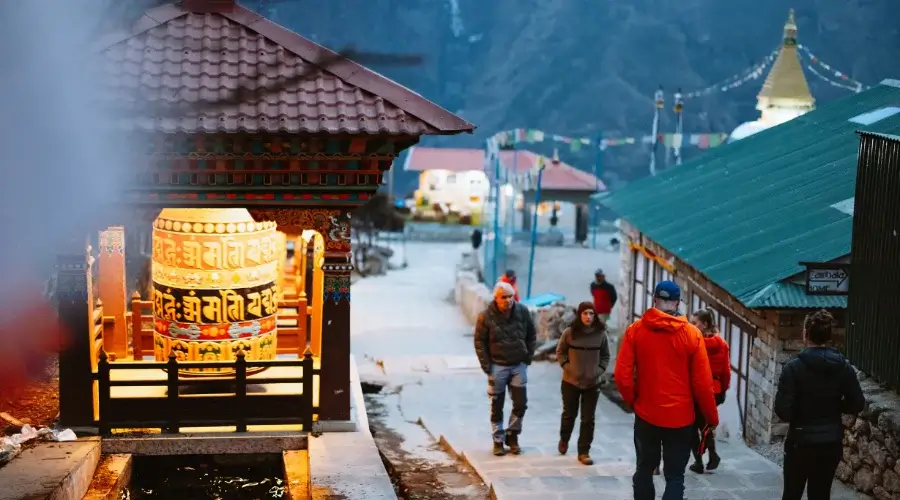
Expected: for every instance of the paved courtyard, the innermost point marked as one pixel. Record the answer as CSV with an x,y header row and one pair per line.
x,y
406,333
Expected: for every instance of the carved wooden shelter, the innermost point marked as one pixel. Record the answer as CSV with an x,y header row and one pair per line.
x,y
235,111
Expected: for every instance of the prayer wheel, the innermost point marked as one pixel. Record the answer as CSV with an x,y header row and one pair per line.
x,y
214,286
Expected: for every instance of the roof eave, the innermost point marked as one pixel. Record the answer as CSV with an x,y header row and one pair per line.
x,y
445,122
149,20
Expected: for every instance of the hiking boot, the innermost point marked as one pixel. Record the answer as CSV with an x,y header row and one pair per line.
x,y
512,441
562,447
697,467
714,460
585,459
499,450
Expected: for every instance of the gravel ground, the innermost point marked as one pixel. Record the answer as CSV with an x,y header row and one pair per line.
x,y
774,452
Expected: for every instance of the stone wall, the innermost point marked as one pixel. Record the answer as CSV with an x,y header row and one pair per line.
x,y
767,356
627,234
473,296
871,460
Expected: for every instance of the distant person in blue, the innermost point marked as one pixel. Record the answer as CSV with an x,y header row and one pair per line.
x,y
505,339
815,388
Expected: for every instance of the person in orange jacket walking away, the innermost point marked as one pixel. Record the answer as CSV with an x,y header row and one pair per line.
x,y
720,366
509,277
662,372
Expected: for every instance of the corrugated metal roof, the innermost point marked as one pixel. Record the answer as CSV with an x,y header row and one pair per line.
x,y
181,71
745,214
787,295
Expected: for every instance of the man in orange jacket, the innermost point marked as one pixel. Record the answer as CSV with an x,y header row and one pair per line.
x,y
662,371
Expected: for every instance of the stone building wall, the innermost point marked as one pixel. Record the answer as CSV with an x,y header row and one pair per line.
x,y
765,365
871,461
627,235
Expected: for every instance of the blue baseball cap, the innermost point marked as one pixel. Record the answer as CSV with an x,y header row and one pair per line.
x,y
667,290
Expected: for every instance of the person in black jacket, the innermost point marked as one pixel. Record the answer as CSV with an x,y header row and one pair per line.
x,y
505,339
815,388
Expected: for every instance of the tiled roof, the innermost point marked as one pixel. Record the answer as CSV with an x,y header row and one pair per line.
x,y
209,73
562,177
747,213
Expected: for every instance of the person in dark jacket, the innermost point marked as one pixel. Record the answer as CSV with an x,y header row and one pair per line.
x,y
815,388
477,236
504,343
604,295
583,353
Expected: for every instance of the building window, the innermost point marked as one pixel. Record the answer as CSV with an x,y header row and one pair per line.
x,y
638,291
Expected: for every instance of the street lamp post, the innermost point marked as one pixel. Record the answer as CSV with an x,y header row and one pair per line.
x,y
534,219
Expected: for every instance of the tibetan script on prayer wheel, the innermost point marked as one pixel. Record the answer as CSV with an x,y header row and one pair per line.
x,y
214,287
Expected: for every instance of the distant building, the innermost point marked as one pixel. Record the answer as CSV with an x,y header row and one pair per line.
x,y
733,226
785,94
456,178
451,177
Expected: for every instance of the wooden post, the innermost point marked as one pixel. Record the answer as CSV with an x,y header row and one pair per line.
x,y
308,388
75,307
112,288
240,390
334,380
103,393
282,253
317,290
137,323
172,393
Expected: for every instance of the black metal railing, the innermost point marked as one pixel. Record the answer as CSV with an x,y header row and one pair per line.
x,y
212,406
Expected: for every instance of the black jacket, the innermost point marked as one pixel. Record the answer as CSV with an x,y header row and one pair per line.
x,y
815,388
505,340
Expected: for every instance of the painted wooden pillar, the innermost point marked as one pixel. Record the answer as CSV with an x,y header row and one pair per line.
x,y
113,289
334,392
75,304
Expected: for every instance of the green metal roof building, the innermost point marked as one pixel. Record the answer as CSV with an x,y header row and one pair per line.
x,y
747,213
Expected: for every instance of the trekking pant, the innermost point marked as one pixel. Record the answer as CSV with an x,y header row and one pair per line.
x,y
810,466
699,425
573,397
652,443
514,378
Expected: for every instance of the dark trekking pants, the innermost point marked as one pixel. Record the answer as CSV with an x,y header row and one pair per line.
x,y
699,424
574,397
652,443
810,466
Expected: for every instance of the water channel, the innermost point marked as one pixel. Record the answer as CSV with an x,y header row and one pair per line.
x,y
205,477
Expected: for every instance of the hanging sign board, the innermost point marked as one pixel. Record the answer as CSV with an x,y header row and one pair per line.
x,y
825,278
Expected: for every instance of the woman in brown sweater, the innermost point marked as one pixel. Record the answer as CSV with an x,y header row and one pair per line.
x,y
583,353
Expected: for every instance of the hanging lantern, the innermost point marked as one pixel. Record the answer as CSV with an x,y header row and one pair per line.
x,y
214,286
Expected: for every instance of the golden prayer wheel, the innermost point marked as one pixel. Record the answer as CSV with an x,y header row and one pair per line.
x,y
214,281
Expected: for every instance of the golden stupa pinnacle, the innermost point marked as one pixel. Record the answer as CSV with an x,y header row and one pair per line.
x,y
786,85
790,29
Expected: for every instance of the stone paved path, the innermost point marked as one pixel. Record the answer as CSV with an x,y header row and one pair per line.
x,y
424,345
